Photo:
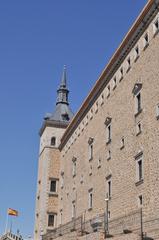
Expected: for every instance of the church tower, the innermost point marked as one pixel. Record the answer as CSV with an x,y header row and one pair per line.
x,y
52,129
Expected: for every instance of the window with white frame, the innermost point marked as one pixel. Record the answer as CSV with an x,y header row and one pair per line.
x,y
109,154
137,95
136,52
121,74
90,148
109,133
122,143
96,107
90,199
138,102
108,129
74,165
90,170
102,99
128,64
73,209
114,82
51,219
156,26
53,185
139,167
109,186
138,128
146,40
157,111
99,163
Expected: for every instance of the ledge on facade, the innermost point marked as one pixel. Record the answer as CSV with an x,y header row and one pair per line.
x,y
53,194
140,111
139,182
52,123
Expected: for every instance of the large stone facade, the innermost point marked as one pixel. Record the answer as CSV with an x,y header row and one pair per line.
x,y
109,185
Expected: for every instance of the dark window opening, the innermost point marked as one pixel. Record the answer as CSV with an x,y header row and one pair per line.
x,y
140,169
65,117
51,220
53,141
53,186
138,97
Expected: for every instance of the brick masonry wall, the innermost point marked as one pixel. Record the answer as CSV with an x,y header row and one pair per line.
x,y
49,167
122,165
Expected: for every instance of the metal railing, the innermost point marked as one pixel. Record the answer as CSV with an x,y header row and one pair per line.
x,y
125,224
10,236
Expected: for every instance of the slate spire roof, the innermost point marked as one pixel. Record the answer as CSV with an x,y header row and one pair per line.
x,y
63,112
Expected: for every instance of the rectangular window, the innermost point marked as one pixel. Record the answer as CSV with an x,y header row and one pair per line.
x,y
122,144
73,209
109,133
109,182
51,220
102,99
128,64
90,199
90,151
139,168
156,26
74,168
146,40
138,128
138,102
114,83
140,175
53,186
108,154
121,73
136,53
140,201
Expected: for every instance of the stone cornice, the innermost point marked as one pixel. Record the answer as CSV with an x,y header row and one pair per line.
x,y
52,123
135,32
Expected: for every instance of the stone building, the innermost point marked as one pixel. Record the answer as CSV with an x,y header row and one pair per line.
x,y
105,163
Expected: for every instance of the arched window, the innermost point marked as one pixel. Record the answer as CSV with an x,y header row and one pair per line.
x,y
53,141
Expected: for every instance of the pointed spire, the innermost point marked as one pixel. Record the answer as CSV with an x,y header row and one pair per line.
x,y
62,92
64,78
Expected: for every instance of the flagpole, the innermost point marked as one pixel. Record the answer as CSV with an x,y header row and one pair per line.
x,y
11,225
6,228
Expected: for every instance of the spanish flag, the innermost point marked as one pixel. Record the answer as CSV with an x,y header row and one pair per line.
x,y
12,212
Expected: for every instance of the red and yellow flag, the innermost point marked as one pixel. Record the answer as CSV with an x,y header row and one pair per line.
x,y
12,212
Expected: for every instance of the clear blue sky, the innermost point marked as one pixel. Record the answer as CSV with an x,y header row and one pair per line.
x,y
37,37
